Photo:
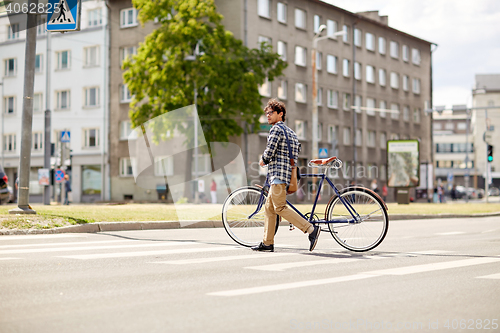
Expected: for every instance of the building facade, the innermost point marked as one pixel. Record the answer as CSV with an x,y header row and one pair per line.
x,y
77,100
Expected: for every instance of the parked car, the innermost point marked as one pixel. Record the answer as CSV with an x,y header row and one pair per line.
x,y
460,192
494,191
4,189
480,193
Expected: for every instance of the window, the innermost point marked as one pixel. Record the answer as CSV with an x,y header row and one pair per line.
x,y
370,106
11,67
265,88
264,8
415,56
406,83
331,28
9,142
383,140
381,45
357,70
126,166
63,100
126,52
300,129
394,136
10,104
300,18
394,80
382,106
63,60
460,126
92,97
381,77
406,113
125,95
319,97
91,56
358,103
394,49
437,126
283,89
416,86
416,116
264,40
331,64
125,129
13,31
317,23
332,134
128,17
383,173
95,17
357,37
319,133
281,12
300,92
345,68
319,60
347,102
406,53
449,126
282,50
332,99
41,28
164,166
370,74
345,37
91,138
370,41
371,140
300,56
38,63
37,141
395,107
37,102
347,136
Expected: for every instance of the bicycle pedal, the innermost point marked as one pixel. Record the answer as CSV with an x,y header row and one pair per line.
x,y
292,227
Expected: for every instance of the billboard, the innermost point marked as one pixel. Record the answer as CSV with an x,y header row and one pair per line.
x,y
403,163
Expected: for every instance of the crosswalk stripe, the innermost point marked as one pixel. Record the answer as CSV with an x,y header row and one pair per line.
x,y
7,258
42,236
492,276
227,258
451,233
87,248
360,276
148,253
62,244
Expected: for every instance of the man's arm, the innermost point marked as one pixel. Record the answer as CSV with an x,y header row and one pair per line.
x,y
272,145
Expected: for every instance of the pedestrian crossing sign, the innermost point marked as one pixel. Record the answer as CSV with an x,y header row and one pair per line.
x,y
63,15
65,136
323,152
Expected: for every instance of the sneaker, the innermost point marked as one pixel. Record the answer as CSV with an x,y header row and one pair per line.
x,y
313,237
263,247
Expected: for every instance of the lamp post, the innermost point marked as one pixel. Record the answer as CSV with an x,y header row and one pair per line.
x,y
315,89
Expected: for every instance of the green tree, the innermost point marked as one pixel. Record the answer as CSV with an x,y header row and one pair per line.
x,y
226,74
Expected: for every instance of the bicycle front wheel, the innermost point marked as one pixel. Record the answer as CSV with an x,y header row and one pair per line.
x,y
243,215
369,227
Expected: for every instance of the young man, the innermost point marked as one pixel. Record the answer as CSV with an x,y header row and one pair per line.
x,y
279,172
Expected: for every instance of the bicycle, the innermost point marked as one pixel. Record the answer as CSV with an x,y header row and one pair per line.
x,y
356,216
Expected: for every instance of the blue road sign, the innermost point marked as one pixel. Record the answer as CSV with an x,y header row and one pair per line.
x,y
450,177
59,175
65,136
323,152
63,15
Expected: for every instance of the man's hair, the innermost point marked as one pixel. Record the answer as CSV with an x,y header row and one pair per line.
x,y
274,104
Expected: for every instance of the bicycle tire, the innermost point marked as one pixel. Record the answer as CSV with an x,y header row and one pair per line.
x,y
237,207
369,231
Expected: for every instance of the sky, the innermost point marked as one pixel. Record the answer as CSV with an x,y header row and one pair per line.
x,y
467,33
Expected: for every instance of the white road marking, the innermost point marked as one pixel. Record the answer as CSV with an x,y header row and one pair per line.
x,y
61,244
492,230
450,233
430,252
228,258
15,237
364,275
7,258
492,276
148,253
87,248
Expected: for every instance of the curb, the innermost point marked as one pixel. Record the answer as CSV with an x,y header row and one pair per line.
x,y
151,225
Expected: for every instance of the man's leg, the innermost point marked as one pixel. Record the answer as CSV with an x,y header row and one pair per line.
x,y
280,207
269,219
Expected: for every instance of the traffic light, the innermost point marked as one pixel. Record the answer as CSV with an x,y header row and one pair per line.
x,y
490,153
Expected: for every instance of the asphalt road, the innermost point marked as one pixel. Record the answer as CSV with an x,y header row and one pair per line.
x,y
427,276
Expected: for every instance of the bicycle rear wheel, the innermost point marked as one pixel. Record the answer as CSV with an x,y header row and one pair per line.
x,y
243,215
366,232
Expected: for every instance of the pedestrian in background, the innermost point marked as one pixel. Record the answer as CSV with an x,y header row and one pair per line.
x,y
384,192
374,186
67,187
213,191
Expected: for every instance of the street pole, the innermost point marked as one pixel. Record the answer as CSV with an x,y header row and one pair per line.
x,y
315,107
23,206
487,171
3,127
46,138
195,117
354,116
466,183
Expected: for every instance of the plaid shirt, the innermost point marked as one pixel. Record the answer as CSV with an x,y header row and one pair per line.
x,y
276,154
